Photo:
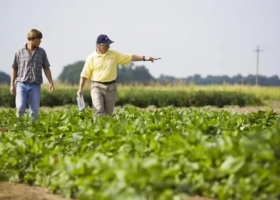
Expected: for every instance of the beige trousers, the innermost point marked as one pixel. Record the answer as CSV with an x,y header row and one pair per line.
x,y
103,98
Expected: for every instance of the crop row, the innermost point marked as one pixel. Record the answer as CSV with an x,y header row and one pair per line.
x,y
145,154
146,97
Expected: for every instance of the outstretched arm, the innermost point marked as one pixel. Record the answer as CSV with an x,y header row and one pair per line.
x,y
142,58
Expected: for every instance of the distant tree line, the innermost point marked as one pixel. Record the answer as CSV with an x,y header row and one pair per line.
x,y
140,74
218,80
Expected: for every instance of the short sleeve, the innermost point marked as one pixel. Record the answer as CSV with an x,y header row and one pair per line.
x,y
15,62
123,59
46,63
87,69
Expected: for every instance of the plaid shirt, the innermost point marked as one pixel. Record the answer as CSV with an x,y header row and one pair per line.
x,y
30,67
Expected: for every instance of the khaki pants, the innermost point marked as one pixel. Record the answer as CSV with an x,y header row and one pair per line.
x,y
103,98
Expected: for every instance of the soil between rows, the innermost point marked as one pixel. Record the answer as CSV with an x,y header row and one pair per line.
x,y
14,191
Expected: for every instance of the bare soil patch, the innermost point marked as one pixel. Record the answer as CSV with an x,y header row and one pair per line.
x,y
14,191
248,109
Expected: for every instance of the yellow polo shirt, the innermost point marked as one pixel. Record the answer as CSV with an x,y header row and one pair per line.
x,y
103,67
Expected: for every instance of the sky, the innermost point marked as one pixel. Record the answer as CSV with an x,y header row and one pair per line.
x,y
206,37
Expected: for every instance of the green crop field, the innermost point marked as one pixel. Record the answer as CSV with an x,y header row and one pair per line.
x,y
165,153
162,96
180,146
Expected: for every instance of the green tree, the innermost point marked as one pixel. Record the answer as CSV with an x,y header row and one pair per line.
x,y
4,78
134,74
71,73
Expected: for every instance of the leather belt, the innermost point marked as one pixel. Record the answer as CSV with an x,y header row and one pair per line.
x,y
105,83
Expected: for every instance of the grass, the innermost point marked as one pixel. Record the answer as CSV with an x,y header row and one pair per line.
x,y
269,95
265,93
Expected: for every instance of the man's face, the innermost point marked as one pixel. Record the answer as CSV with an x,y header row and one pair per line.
x,y
36,42
103,48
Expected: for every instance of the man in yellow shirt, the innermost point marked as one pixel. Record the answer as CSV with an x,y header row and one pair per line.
x,y
101,68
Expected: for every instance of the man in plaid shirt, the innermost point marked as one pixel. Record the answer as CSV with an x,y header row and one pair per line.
x,y
29,62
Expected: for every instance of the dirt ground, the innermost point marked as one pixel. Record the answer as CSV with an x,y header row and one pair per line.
x,y
246,109
12,191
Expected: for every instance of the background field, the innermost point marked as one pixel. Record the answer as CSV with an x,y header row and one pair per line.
x,y
162,96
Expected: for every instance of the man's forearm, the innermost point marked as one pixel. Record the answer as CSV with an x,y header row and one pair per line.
x,y
48,75
82,83
13,76
142,58
137,58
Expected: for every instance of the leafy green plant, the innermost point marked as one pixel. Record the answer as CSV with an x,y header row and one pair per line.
x,y
145,154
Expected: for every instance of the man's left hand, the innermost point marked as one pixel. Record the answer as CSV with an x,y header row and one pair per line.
x,y
51,87
150,59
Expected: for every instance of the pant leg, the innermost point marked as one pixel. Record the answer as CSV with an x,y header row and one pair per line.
x,y
110,98
97,97
34,94
21,98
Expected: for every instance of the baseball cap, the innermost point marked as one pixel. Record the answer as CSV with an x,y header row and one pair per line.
x,y
103,39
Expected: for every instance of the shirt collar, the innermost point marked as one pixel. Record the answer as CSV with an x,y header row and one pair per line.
x,y
96,54
25,46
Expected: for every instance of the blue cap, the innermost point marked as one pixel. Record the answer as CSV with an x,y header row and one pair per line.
x,y
103,39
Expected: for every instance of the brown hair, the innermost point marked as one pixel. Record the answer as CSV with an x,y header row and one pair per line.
x,y
33,34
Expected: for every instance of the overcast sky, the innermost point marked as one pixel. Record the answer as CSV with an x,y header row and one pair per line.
x,y
207,37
